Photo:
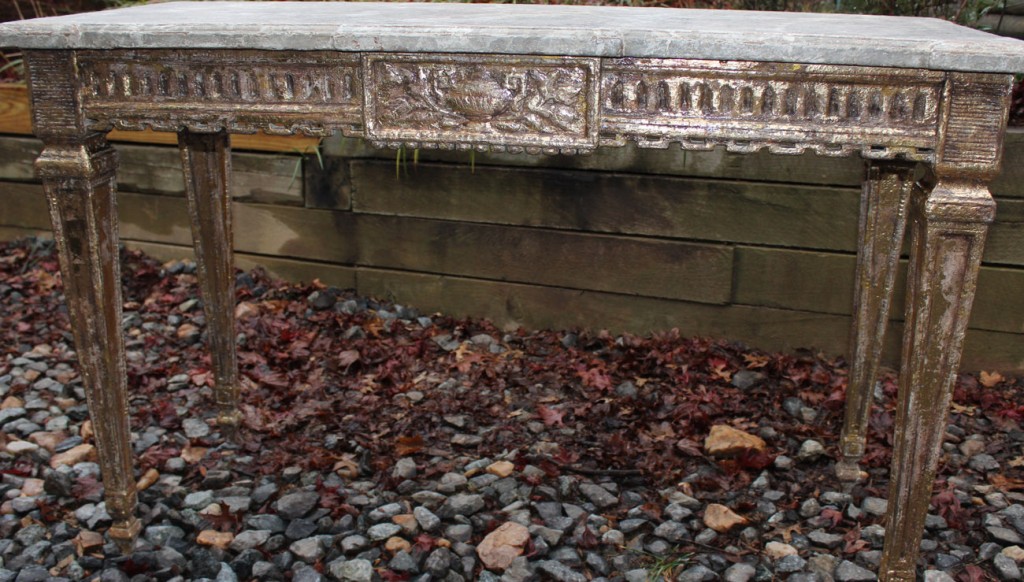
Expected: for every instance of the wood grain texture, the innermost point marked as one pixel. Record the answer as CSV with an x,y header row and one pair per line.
x,y
656,268
537,307
715,210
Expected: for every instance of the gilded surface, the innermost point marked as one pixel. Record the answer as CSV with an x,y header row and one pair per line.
x,y
832,110
533,103
241,91
953,121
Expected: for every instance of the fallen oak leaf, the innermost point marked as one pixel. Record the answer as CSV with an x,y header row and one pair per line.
x,y
551,416
833,515
409,445
347,358
971,573
991,379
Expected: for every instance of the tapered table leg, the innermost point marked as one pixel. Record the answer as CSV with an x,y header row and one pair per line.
x,y
206,160
948,228
78,178
883,220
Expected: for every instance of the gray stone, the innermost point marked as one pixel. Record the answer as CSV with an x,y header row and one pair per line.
x,y
300,528
596,563
740,572
1006,568
308,550
706,536
549,534
405,468
307,575
198,500
426,518
613,537
821,537
170,557
438,563
521,570
810,508
249,539
386,511
296,504
462,504
354,543
697,573
823,565
790,564
678,512
636,575
745,379
1004,535
351,570
403,562
459,532
946,561
195,428
937,576
874,506
983,463
631,525
784,463
267,521
792,406
837,498
847,571
810,450
159,535
383,531
560,571
598,495
626,389
672,531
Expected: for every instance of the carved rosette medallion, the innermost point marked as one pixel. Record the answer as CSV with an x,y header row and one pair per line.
x,y
484,102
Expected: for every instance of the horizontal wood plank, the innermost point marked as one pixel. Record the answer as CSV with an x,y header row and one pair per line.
x,y
823,282
512,305
714,210
650,267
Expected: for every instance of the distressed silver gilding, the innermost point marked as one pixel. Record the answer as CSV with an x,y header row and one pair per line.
x,y
895,117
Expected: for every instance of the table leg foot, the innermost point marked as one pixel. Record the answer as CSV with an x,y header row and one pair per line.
x,y
948,233
124,533
206,160
883,219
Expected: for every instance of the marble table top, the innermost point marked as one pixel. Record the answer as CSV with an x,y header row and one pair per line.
x,y
601,31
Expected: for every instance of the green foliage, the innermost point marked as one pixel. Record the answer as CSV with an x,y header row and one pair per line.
x,y
966,12
664,566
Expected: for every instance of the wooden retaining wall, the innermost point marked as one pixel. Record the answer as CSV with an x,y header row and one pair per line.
x,y
755,248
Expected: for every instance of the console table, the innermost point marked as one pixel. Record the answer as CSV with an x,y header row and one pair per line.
x,y
900,92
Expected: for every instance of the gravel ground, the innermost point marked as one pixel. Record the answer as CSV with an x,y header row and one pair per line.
x,y
420,485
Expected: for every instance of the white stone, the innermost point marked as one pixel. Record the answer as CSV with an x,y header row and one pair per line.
x,y
599,31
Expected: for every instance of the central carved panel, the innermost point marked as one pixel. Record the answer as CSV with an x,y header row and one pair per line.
x,y
514,103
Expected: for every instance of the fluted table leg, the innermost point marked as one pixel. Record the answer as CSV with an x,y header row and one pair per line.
x,y
883,220
948,228
78,178
948,233
206,160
